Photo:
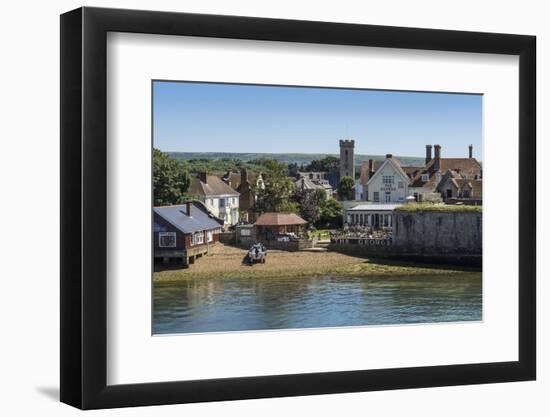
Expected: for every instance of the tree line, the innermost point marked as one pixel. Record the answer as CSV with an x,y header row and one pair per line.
x,y
171,181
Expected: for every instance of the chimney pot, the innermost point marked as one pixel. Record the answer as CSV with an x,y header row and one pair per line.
x,y
388,155
470,151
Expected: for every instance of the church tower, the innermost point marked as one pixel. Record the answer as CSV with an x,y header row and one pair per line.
x,y
347,159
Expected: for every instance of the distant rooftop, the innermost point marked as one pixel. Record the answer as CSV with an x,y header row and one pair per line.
x,y
279,219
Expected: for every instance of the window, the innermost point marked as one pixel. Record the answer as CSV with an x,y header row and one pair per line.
x,y
222,202
466,193
167,239
400,184
376,196
387,179
197,238
388,196
245,232
425,177
210,236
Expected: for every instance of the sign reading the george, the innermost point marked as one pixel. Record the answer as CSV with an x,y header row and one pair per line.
x,y
360,241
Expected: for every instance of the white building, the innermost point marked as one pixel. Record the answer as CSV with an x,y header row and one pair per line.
x,y
219,198
377,216
388,184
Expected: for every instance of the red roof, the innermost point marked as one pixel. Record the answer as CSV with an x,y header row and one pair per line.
x,y
279,219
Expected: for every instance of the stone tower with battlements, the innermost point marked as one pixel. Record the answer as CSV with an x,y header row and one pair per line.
x,y
347,159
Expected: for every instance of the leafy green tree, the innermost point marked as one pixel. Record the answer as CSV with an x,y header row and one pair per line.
x,y
331,214
276,196
327,164
310,203
293,169
170,179
220,166
345,188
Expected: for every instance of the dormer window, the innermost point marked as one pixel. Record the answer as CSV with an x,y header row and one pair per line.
x,y
425,177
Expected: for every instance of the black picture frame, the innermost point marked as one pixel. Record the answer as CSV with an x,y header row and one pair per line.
x,y
84,207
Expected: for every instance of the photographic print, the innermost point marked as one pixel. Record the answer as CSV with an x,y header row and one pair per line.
x,y
286,207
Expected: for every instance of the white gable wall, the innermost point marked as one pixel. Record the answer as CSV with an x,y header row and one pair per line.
x,y
389,183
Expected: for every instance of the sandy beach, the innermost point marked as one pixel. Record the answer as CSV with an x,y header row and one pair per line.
x,y
227,261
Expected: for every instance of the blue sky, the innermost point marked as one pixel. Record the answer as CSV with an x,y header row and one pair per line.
x,y
202,117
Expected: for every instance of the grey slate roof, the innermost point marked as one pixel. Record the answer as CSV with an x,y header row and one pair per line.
x,y
200,219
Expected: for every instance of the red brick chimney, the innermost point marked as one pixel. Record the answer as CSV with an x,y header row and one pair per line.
x,y
437,157
202,177
428,153
244,175
371,168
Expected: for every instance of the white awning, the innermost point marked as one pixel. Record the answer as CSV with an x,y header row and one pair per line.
x,y
375,207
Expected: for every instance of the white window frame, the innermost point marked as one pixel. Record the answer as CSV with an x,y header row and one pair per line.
x,y
387,179
387,197
425,177
163,234
209,236
400,184
376,196
197,238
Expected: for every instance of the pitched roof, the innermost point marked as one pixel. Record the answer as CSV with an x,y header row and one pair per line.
x,y
475,185
234,180
466,167
364,178
213,186
395,163
411,171
279,219
200,219
305,183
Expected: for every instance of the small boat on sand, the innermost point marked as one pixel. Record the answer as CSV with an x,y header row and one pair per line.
x,y
257,253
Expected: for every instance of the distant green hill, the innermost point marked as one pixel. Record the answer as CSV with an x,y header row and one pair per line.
x,y
288,158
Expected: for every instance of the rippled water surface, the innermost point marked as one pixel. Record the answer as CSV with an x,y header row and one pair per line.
x,y
221,305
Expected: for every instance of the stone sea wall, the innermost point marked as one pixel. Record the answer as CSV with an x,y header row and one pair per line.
x,y
438,233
